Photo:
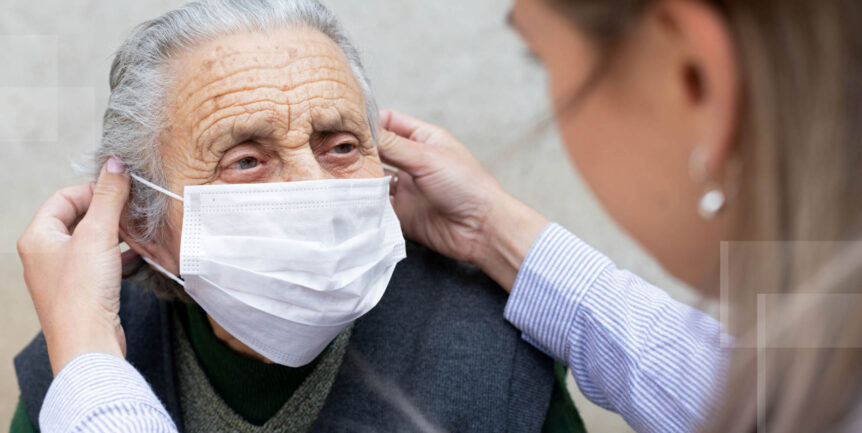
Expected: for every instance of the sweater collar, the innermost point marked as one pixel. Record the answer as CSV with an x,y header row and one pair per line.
x,y
254,390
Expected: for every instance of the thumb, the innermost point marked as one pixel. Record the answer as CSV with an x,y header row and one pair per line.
x,y
401,152
109,196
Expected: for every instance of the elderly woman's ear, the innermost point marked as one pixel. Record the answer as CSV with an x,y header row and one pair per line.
x,y
131,262
151,249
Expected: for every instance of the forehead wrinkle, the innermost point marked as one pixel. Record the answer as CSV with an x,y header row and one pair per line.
x,y
213,61
336,117
219,93
286,56
218,57
260,123
266,106
341,75
340,118
336,122
286,89
219,114
257,73
327,122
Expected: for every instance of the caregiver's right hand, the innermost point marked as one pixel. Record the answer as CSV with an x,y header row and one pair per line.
x,y
73,267
446,200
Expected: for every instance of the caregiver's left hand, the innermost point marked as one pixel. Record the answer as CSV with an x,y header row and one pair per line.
x,y
73,267
448,202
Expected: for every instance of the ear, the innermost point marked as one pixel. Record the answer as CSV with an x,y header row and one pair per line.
x,y
708,72
153,250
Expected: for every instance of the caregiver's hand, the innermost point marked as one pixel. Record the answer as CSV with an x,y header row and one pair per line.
x,y
447,201
73,267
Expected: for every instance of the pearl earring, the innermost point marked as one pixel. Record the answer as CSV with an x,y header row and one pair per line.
x,y
713,200
711,203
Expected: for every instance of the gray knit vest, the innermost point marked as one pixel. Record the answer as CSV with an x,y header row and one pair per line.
x,y
204,411
434,355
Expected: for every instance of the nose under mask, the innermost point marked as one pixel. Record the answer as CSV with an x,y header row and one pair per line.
x,y
285,267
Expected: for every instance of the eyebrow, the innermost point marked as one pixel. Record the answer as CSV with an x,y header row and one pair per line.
x,y
219,141
329,123
214,141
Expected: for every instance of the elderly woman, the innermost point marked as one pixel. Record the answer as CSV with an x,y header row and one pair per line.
x,y
225,105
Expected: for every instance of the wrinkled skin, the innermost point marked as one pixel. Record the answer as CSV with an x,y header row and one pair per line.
x,y
255,108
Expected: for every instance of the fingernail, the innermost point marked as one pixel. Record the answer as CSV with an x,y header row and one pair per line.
x,y
115,166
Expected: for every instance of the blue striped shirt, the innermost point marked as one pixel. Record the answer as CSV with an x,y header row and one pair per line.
x,y
97,392
632,349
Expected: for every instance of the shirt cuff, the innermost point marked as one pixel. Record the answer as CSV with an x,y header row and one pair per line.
x,y
556,274
96,385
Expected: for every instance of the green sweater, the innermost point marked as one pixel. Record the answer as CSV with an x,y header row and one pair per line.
x,y
263,389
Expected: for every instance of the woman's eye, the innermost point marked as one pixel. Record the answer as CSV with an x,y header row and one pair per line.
x,y
247,163
343,149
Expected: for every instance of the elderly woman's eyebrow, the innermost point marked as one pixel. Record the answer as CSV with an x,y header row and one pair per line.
x,y
218,139
341,117
329,123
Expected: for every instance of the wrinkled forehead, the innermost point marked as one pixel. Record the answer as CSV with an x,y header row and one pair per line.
x,y
287,82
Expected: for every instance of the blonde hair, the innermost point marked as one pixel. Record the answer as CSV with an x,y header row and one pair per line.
x,y
800,207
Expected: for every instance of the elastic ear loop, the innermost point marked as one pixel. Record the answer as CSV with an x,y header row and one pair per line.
x,y
164,191
165,272
155,187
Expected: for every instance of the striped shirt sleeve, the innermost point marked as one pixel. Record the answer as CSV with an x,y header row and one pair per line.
x,y
631,348
97,392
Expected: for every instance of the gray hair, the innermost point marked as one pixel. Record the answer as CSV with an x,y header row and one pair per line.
x,y
135,115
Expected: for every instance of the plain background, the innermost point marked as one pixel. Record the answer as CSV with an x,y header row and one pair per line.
x,y
453,63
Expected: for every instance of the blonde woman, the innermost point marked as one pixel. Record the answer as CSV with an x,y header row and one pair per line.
x,y
694,122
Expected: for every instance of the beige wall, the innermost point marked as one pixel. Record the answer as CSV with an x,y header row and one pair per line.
x,y
450,62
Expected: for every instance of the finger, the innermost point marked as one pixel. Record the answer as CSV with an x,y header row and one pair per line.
x,y
402,153
406,202
64,209
407,183
109,196
406,126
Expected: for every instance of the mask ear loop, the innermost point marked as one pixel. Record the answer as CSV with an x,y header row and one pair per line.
x,y
165,272
164,191
155,187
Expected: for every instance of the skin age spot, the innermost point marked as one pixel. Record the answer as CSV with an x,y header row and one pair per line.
x,y
254,108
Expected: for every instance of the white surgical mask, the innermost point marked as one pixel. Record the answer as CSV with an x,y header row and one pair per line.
x,y
285,267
